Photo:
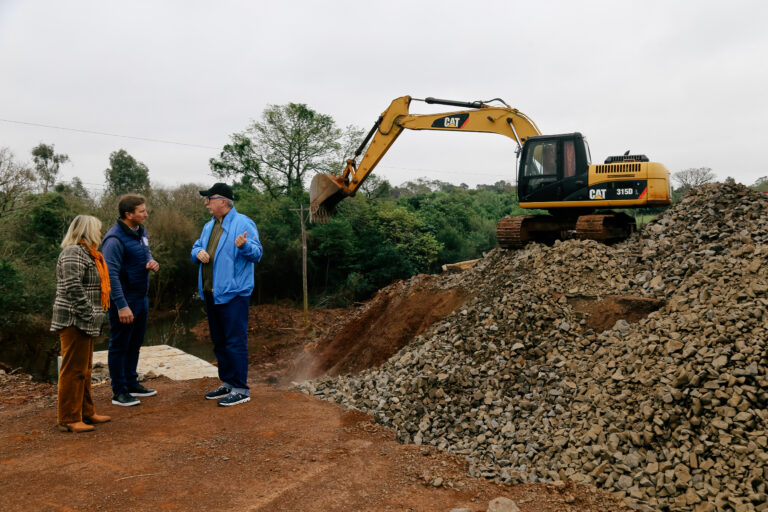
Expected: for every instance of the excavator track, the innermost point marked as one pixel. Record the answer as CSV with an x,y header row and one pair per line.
x,y
607,228
509,232
515,232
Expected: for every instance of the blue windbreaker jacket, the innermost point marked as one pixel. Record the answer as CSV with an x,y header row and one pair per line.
x,y
232,265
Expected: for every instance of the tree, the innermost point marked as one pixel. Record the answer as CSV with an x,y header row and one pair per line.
x,y
499,186
239,159
279,151
693,177
15,180
420,186
47,164
367,245
11,294
376,188
74,188
126,175
349,142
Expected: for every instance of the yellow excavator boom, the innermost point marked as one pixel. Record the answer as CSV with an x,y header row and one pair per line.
x,y
326,190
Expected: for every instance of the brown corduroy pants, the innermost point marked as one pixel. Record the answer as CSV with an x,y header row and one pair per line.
x,y
75,400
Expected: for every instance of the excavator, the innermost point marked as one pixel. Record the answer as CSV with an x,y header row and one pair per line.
x,y
555,174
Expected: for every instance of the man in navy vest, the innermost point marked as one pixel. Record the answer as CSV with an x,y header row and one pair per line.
x,y
126,251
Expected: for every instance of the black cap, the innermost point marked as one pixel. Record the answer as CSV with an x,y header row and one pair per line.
x,y
220,189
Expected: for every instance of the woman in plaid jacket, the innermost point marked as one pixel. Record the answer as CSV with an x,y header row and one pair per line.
x,y
79,311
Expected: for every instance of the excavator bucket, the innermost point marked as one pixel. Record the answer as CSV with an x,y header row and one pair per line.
x,y
325,192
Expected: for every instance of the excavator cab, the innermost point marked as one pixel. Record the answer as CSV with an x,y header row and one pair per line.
x,y
554,168
556,174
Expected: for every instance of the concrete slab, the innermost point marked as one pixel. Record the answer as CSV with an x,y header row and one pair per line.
x,y
164,360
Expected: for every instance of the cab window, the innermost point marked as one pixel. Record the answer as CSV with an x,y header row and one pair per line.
x,y
542,160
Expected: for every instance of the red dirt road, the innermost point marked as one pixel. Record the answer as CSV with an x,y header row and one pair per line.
x,y
283,451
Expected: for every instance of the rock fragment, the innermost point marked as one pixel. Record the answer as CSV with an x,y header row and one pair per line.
x,y
668,411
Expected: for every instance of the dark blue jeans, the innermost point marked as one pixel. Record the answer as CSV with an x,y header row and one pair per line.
x,y
125,341
228,324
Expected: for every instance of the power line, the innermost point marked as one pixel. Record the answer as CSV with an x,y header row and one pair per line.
x,y
498,174
92,132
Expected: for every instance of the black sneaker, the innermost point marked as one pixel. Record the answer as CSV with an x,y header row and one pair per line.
x,y
217,393
139,390
234,398
125,400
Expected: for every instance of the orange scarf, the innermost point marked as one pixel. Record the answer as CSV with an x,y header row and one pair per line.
x,y
101,266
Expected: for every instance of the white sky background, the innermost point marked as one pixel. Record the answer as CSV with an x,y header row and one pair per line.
x,y
683,82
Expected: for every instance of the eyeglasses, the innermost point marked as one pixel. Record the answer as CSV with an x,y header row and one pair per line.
x,y
209,198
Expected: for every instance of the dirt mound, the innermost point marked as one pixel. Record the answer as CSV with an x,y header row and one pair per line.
x,y
279,335
274,325
386,324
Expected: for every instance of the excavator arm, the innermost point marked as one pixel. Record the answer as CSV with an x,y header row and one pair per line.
x,y
327,190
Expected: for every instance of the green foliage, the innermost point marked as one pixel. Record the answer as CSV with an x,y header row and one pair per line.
x,y
366,246
126,175
278,275
276,153
406,232
376,188
239,160
35,228
464,221
75,189
47,164
12,300
176,217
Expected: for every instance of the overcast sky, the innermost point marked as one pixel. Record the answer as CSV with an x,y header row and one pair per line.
x,y
683,82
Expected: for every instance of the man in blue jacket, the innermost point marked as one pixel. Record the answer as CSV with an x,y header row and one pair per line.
x,y
126,251
226,252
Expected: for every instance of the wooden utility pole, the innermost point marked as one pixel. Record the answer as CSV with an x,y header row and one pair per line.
x,y
304,264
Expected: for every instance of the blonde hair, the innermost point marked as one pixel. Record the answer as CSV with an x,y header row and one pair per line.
x,y
83,227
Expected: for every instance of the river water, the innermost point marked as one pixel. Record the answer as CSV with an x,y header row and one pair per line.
x,y
38,357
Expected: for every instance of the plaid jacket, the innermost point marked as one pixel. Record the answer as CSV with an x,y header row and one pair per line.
x,y
78,292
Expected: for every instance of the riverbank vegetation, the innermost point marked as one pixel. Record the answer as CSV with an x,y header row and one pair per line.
x,y
386,232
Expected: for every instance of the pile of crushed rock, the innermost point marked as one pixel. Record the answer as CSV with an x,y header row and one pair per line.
x,y
668,411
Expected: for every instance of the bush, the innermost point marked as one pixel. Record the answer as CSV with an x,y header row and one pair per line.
x,y
12,300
